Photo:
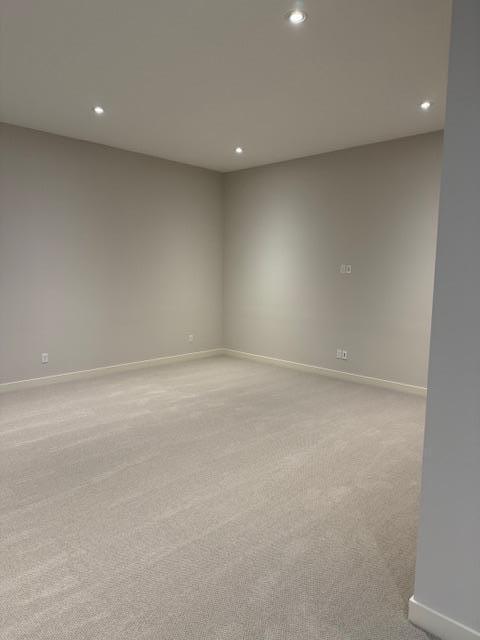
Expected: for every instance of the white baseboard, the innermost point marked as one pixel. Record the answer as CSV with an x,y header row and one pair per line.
x,y
101,371
438,624
330,373
155,362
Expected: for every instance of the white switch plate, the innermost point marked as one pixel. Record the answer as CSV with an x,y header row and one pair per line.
x,y
339,354
344,354
191,337
44,358
348,268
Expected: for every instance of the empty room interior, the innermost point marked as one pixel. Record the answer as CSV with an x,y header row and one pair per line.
x,y
239,312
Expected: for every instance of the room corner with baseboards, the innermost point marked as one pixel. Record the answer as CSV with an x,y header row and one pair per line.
x,y
237,245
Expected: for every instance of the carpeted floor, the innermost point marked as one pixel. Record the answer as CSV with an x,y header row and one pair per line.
x,y
215,499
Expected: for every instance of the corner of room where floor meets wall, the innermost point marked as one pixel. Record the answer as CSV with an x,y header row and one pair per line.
x,y
164,360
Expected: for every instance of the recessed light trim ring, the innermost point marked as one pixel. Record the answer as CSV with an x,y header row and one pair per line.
x,y
296,16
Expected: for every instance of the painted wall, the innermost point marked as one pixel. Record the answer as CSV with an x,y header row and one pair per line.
x,y
448,559
288,228
106,256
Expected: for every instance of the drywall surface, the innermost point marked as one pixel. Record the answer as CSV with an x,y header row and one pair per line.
x,y
106,256
290,226
448,558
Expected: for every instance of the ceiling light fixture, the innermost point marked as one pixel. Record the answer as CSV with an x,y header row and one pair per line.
x,y
98,110
296,16
425,106
238,150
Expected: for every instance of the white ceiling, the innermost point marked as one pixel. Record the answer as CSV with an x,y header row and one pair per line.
x,y
189,80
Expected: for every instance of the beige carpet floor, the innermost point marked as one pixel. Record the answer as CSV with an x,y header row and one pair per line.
x,y
214,499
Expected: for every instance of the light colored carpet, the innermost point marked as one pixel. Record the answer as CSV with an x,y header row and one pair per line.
x,y
216,499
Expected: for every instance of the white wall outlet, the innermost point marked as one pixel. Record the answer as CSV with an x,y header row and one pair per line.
x,y
342,268
344,354
348,268
191,337
44,358
339,354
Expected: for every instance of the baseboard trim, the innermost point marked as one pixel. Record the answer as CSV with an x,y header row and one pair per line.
x,y
155,362
101,371
330,373
438,624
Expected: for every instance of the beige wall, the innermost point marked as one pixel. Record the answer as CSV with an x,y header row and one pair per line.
x,y
108,256
448,559
105,256
288,228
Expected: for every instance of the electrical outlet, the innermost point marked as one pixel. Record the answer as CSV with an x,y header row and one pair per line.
x,y
344,354
339,354
342,268
348,268
191,337
44,358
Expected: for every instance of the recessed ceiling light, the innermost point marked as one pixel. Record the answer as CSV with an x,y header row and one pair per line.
x,y
425,106
238,150
297,16
98,110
